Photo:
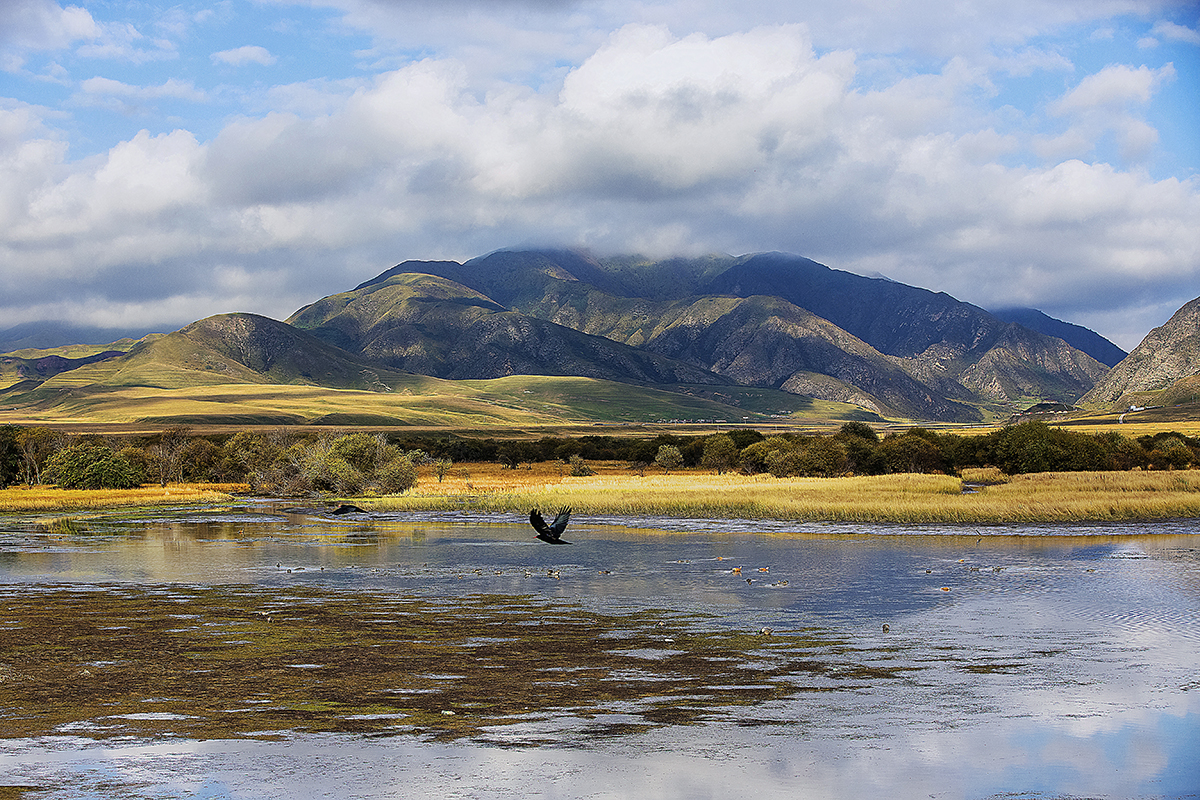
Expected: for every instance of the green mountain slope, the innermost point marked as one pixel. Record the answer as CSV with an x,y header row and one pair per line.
x,y
427,324
225,349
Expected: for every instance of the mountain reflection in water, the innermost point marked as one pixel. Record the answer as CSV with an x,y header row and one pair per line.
x,y
159,655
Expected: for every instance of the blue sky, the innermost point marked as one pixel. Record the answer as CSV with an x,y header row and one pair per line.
x,y
160,162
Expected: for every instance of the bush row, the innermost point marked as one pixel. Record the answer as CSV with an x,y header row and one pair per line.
x,y
278,461
290,462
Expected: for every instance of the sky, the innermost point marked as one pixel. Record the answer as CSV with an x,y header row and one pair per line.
x,y
164,161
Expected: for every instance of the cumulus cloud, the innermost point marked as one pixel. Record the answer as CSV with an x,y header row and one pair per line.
x,y
1115,86
1165,29
241,56
1108,102
44,25
653,140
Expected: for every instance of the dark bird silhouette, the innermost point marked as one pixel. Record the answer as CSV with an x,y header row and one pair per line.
x,y
550,533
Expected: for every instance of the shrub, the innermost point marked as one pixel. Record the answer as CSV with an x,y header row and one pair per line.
x,y
93,466
398,475
359,450
579,467
910,452
668,457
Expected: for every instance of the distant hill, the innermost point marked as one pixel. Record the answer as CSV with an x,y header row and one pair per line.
x,y
231,348
14,370
1162,370
1077,336
50,334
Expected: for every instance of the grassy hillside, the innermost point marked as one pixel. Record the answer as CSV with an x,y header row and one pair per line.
x,y
415,400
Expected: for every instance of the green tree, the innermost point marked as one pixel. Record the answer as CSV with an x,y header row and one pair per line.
x,y
1170,453
88,465
720,453
910,453
360,450
668,457
201,462
755,458
10,456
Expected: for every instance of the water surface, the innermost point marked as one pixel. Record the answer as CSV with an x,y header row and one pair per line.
x,y
269,652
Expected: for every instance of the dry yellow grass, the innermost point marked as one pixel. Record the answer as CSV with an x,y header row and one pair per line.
x,y
1046,497
45,498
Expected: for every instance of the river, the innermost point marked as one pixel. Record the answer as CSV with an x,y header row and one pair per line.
x,y
261,651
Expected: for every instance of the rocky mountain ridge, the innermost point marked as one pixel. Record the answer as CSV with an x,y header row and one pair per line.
x,y
770,319
1163,369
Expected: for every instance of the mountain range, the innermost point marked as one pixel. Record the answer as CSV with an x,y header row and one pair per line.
x,y
712,326
772,320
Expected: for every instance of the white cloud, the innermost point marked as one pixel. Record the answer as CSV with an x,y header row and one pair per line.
x,y
673,143
1165,29
241,56
171,88
44,25
1116,85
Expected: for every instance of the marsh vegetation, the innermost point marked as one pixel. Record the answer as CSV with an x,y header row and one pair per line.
x,y
1025,473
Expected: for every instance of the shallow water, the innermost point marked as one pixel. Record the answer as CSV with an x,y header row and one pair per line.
x,y
260,652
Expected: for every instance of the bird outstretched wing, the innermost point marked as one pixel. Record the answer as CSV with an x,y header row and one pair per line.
x,y
539,524
550,533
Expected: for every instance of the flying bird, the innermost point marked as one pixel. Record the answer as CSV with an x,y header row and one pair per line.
x,y
550,533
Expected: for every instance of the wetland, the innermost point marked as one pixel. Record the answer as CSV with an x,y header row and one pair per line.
x,y
258,649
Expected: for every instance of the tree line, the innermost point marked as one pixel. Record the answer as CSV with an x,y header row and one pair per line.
x,y
291,462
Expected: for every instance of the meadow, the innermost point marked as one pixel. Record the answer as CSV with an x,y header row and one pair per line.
x,y
983,497
18,499
980,496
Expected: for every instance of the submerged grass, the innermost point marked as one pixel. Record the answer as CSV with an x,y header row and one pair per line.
x,y
225,662
907,498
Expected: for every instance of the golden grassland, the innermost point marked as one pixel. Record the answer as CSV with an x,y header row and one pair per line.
x,y
979,497
518,400
908,498
49,498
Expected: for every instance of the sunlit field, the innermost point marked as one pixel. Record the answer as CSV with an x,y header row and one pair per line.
x,y
48,498
980,496
1044,497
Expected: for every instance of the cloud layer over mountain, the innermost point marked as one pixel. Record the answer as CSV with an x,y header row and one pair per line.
x,y
978,149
